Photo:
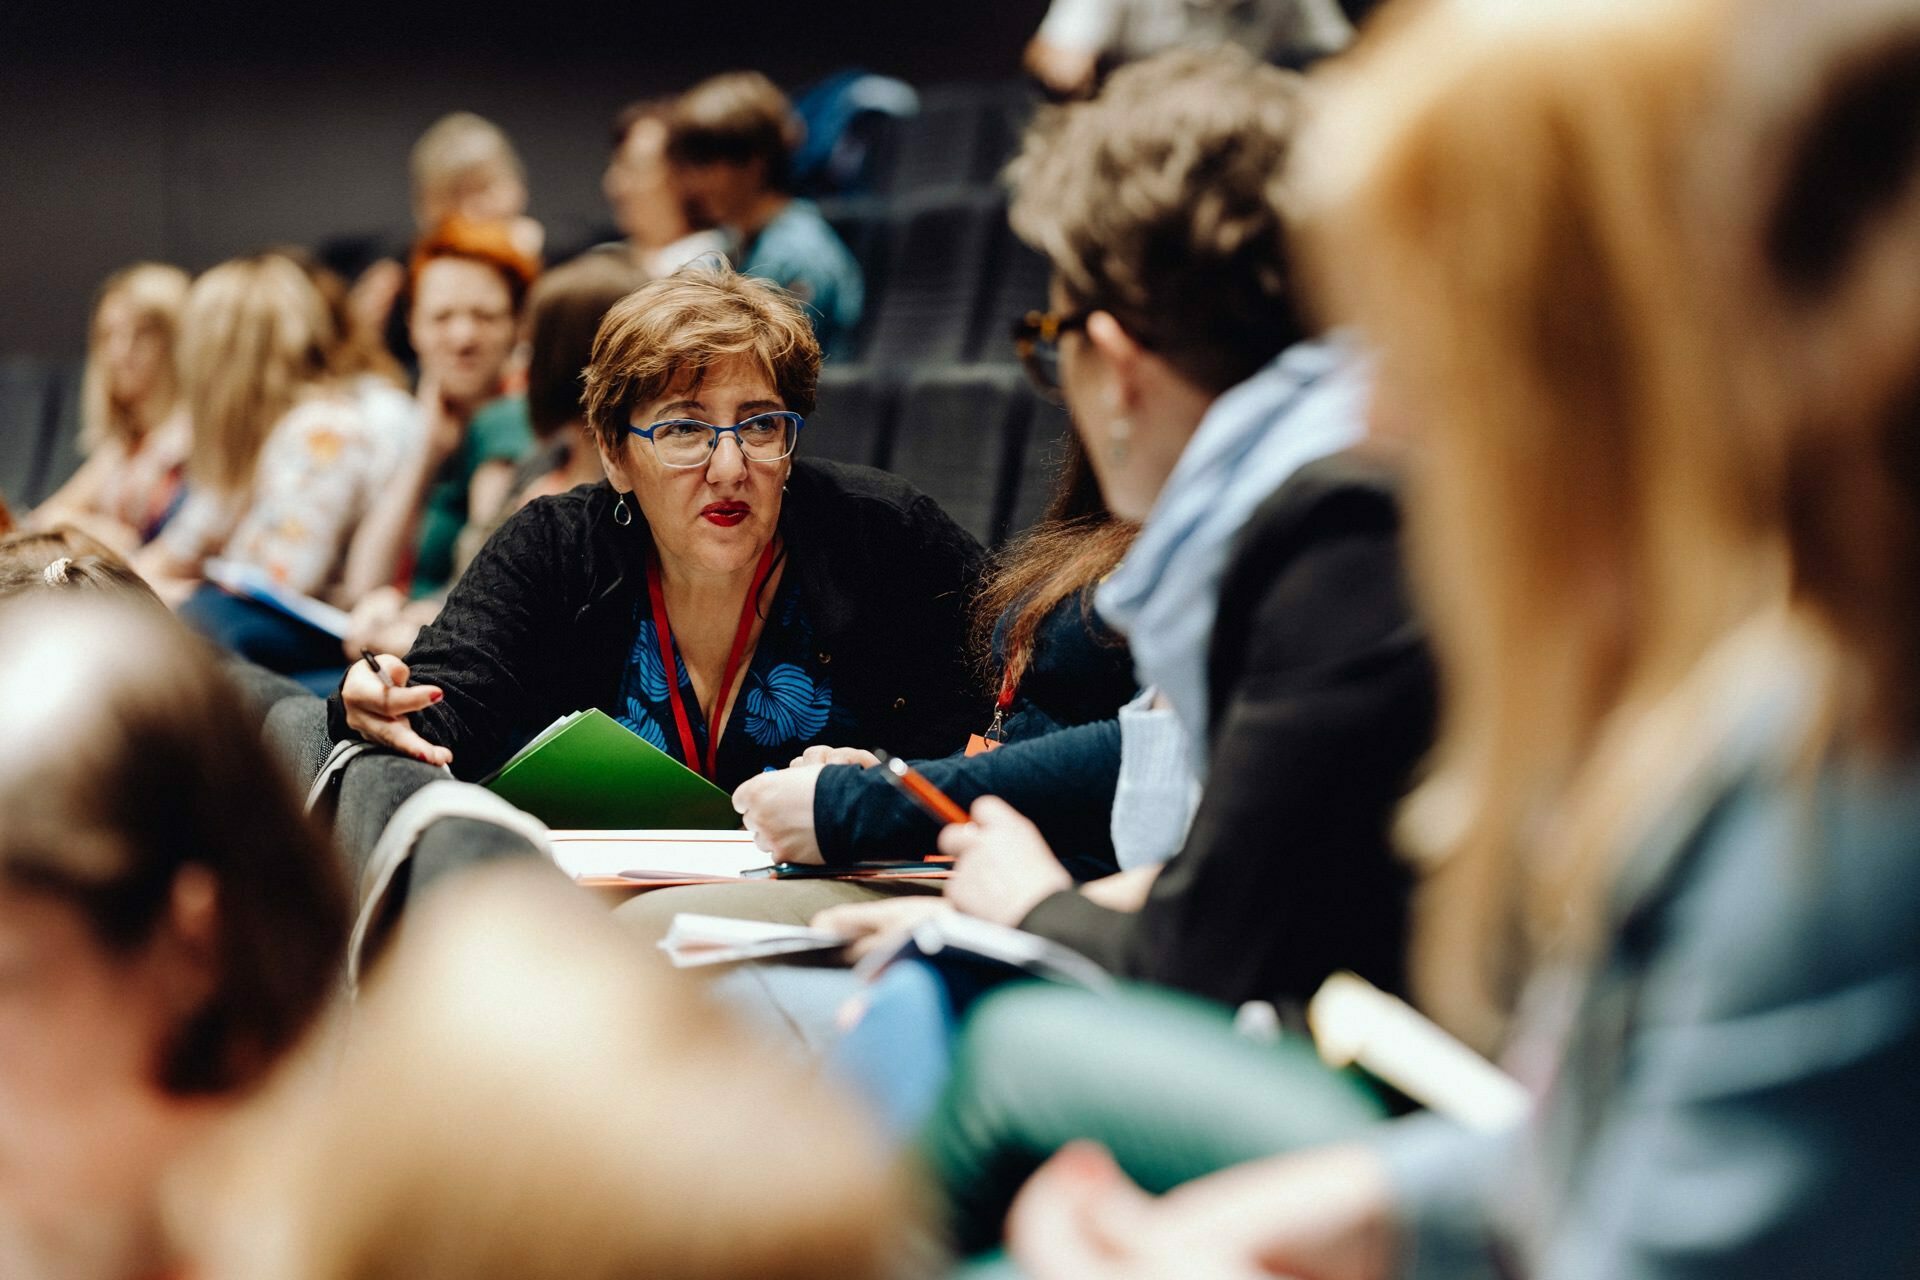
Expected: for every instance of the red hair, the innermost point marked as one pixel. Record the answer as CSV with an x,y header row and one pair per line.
x,y
488,243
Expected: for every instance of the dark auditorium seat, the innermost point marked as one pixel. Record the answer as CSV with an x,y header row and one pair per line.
x,y
63,447
853,421
958,436
941,147
1016,284
933,282
25,419
862,225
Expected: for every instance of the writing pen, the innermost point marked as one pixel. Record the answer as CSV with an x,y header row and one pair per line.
x,y
917,789
378,670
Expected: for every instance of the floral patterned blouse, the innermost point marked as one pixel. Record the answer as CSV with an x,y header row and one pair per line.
x,y
785,703
318,471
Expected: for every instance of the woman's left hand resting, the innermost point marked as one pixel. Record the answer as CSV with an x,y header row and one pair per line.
x,y
778,808
1003,867
878,926
379,714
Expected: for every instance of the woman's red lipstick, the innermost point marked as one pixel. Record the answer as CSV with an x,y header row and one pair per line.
x,y
725,514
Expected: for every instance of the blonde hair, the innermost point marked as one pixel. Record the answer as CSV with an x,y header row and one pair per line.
x,y
1509,224
157,292
454,148
668,333
255,336
1163,202
524,1094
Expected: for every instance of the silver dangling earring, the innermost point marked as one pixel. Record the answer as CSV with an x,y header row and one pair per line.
x,y
622,513
1118,434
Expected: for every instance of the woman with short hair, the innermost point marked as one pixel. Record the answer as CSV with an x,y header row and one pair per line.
x,y
793,601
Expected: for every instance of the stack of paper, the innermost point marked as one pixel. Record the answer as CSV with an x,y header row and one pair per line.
x,y
642,859
699,940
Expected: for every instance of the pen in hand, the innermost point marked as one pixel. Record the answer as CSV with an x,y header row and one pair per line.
x,y
385,680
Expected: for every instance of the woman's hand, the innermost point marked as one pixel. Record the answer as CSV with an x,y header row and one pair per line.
x,y
379,714
1318,1215
878,926
1002,868
778,809
836,755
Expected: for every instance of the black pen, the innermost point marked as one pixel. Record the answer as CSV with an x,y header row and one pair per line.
x,y
377,668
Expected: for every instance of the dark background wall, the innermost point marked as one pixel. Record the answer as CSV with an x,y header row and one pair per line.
x,y
192,132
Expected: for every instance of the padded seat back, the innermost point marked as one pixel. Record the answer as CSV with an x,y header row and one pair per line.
x,y
933,284
853,421
958,437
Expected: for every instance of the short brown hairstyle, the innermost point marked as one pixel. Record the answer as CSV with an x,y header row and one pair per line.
x,y
564,312
1162,202
488,243
672,330
735,118
115,782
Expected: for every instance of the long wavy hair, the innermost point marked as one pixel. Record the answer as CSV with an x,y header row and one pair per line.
x,y
1074,544
157,292
1511,225
255,337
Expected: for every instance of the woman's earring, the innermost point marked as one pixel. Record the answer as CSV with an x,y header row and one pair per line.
x,y
1118,433
622,513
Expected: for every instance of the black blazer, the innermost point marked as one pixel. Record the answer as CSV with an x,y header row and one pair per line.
x,y
542,622
1321,702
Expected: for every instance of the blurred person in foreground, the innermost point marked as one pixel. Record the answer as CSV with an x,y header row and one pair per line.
x,y
524,1098
649,207
1672,823
133,417
729,142
169,925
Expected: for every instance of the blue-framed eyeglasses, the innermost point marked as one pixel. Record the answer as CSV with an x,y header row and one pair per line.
x,y
688,442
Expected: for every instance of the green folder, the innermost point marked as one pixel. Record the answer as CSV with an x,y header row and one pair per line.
x,y
589,771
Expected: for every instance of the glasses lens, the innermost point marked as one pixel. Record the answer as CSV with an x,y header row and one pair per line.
x,y
683,444
767,438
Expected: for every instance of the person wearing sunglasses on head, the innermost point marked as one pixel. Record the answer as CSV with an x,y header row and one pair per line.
x,y
726,598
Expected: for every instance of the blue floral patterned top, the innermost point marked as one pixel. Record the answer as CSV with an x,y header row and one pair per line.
x,y
785,705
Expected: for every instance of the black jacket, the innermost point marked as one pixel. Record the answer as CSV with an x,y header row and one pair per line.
x,y
1321,703
1058,767
542,623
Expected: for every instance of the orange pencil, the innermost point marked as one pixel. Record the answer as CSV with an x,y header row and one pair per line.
x,y
923,793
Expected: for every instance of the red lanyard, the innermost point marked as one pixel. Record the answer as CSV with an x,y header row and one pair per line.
x,y
658,596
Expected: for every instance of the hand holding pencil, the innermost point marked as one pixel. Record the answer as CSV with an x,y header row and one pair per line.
x,y
378,701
